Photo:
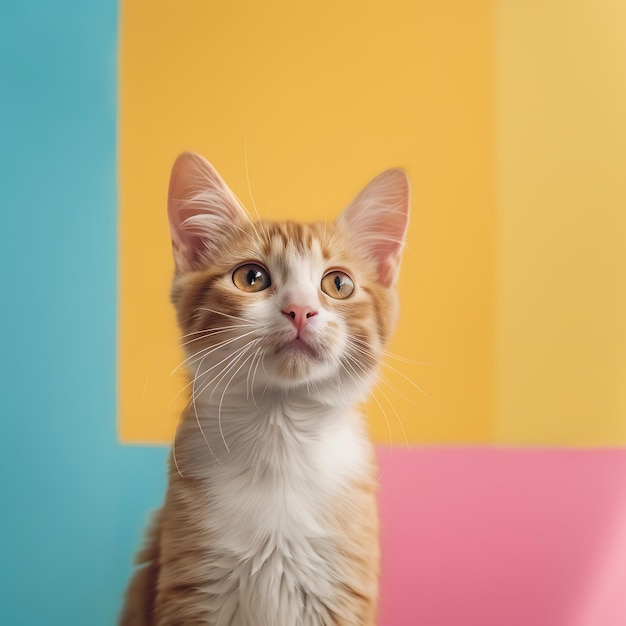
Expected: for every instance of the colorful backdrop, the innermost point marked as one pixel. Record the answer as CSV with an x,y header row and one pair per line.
x,y
503,482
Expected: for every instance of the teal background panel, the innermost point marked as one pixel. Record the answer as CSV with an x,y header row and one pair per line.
x,y
73,501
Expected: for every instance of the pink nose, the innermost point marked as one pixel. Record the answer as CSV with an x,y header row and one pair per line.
x,y
299,315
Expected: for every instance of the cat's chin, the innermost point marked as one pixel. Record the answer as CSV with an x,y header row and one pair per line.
x,y
298,363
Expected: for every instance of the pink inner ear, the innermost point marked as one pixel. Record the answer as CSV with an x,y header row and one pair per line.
x,y
186,251
376,222
201,210
388,268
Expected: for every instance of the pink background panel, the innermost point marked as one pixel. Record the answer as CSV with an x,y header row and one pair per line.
x,y
503,537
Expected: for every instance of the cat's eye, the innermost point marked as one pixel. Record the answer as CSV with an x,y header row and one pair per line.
x,y
251,277
337,285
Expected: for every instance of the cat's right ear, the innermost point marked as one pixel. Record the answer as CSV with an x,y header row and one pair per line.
x,y
202,211
376,222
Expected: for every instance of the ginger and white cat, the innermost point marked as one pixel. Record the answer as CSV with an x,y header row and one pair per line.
x,y
270,515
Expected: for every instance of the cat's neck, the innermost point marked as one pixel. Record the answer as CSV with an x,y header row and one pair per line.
x,y
239,401
264,428
305,410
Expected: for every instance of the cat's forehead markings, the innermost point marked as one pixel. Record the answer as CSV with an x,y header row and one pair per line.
x,y
290,238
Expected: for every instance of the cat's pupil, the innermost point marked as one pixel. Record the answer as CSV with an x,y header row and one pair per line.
x,y
253,276
338,283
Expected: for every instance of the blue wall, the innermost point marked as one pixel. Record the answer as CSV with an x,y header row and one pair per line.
x,y
73,501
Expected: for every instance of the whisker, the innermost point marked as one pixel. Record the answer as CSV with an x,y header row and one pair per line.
x,y
403,359
362,342
352,362
403,375
234,317
256,367
383,381
197,357
209,350
250,382
219,408
195,410
148,375
204,330
216,331
234,358
224,370
367,352
393,408
245,150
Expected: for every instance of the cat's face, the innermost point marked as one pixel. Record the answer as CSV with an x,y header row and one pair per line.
x,y
281,304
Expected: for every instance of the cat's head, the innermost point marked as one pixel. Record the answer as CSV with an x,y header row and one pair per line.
x,y
283,305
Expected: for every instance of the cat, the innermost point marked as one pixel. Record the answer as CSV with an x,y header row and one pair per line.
x,y
270,515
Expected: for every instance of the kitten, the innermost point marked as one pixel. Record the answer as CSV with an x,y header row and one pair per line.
x,y
270,514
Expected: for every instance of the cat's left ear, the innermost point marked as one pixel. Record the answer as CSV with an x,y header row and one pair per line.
x,y
376,222
202,211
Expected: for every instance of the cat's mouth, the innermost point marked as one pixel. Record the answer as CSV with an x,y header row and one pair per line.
x,y
292,358
298,345
297,356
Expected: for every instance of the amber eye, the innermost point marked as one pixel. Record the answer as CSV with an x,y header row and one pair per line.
x,y
251,277
337,285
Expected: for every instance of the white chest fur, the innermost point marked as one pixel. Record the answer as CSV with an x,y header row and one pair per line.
x,y
270,498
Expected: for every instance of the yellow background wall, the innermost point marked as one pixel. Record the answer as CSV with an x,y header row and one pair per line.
x,y
508,117
561,174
